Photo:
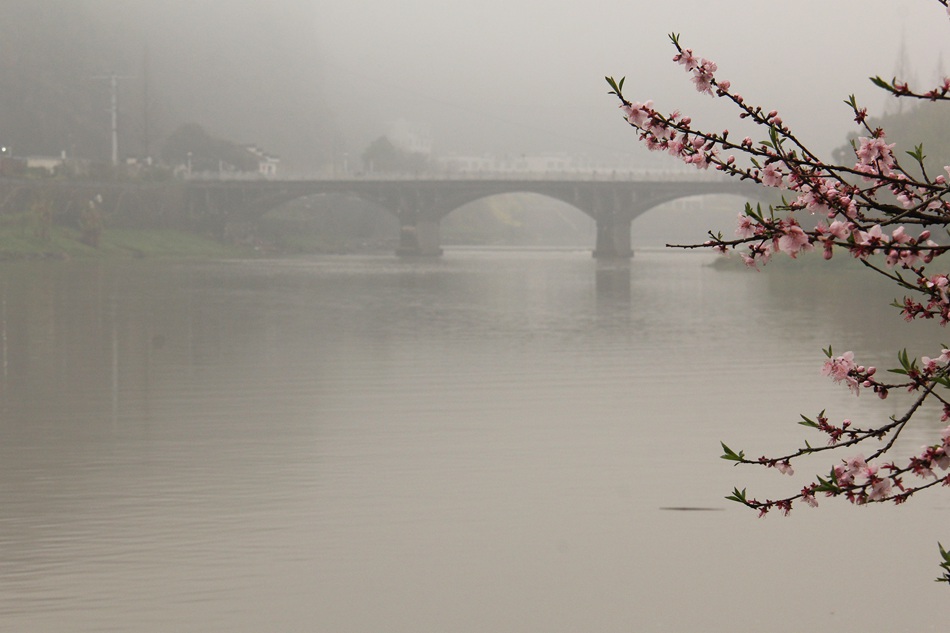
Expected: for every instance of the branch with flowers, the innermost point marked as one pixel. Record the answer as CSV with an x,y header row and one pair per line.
x,y
880,210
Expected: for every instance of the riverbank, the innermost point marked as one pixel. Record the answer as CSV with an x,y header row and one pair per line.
x,y
65,243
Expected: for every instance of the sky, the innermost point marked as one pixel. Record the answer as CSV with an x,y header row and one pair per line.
x,y
526,76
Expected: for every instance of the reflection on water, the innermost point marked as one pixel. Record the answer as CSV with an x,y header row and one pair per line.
x,y
489,441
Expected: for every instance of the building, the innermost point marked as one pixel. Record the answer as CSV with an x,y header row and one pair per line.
x,y
266,163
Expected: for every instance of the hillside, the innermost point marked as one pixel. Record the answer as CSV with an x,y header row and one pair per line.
x,y
241,69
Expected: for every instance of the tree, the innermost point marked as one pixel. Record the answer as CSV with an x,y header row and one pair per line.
x,y
383,156
876,206
922,120
191,144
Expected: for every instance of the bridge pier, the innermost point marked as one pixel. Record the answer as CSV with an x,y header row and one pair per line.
x,y
419,237
613,237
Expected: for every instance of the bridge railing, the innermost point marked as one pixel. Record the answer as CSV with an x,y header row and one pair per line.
x,y
617,175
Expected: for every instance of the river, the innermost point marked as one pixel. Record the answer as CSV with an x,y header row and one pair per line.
x,y
490,441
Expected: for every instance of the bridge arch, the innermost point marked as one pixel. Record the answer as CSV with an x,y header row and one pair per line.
x,y
517,218
687,220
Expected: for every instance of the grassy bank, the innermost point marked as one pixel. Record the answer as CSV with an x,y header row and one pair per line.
x,y
65,243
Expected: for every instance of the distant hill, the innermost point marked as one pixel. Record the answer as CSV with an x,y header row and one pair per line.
x,y
244,70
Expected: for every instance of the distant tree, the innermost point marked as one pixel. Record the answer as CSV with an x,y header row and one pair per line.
x,y
922,121
382,156
190,142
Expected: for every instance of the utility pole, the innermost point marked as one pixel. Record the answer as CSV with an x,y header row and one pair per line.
x,y
115,119
145,97
114,84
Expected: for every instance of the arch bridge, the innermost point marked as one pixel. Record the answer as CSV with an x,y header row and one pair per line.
x,y
418,203
421,204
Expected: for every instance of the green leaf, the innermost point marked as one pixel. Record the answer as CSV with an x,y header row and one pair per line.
x,y
917,153
827,485
808,422
731,455
881,83
902,359
945,565
738,496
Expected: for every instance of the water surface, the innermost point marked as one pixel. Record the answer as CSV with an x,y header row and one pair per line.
x,y
488,441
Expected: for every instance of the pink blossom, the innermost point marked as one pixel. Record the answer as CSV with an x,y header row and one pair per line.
x,y
749,261
794,241
941,458
686,58
703,83
758,254
675,148
874,152
828,250
637,113
929,365
772,176
810,200
872,237
703,76
880,489
939,283
851,468
840,230
840,368
700,159
746,226
784,467
899,236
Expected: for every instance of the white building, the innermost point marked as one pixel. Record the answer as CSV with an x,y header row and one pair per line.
x,y
266,163
411,138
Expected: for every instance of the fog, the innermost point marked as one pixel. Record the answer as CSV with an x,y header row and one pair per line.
x,y
527,76
316,81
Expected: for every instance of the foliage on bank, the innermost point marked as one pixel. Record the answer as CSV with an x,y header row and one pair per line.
x,y
16,243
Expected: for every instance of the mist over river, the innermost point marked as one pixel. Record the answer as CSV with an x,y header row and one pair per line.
x,y
494,440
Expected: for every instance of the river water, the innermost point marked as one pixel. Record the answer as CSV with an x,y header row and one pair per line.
x,y
491,441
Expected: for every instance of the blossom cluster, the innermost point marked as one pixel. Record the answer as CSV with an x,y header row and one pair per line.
x,y
879,209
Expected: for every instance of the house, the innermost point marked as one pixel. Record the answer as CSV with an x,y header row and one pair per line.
x,y
266,163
